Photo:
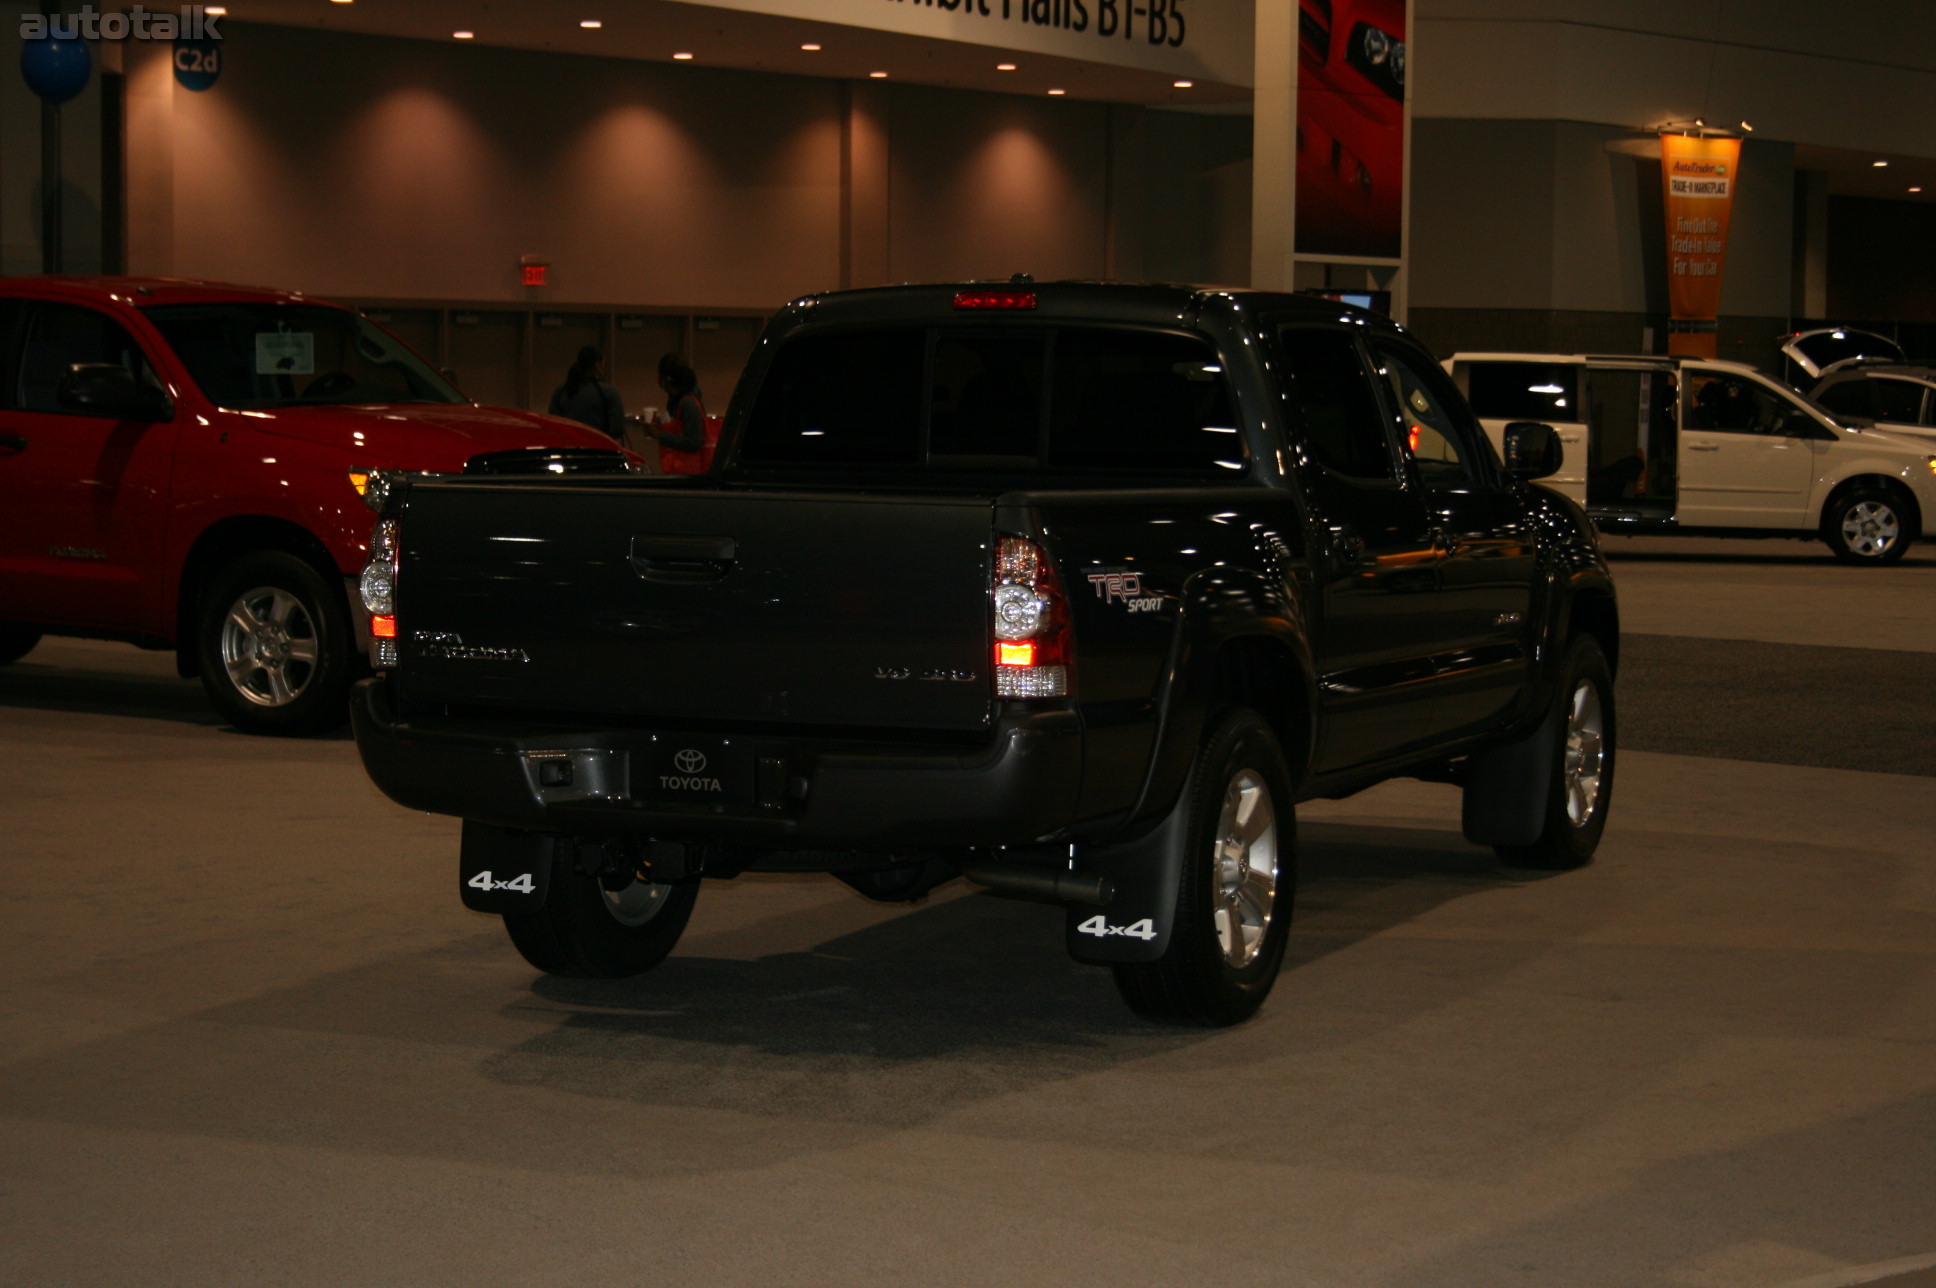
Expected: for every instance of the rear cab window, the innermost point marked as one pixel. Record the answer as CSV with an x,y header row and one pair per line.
x,y
1068,401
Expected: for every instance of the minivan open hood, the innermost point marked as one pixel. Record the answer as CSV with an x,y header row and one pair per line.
x,y
1819,352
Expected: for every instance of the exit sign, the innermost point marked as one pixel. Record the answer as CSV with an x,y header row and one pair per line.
x,y
535,269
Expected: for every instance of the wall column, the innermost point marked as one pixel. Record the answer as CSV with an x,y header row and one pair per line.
x,y
1273,189
150,150
863,186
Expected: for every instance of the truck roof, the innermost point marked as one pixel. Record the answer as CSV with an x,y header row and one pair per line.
x,y
1147,303
144,291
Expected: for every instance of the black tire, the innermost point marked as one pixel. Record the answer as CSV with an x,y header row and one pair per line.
x,y
1868,525
274,643
1201,978
588,932
1579,785
16,642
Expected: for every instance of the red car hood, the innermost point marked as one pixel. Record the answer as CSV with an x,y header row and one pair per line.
x,y
424,436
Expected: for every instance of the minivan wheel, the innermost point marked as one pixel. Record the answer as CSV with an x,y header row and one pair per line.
x,y
274,643
1866,525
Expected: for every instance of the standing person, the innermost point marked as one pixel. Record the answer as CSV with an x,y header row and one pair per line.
x,y
686,438
586,398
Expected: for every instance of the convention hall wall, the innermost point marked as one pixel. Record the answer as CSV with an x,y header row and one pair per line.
x,y
369,167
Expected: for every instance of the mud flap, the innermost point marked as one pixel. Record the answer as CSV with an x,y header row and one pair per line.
x,y
502,871
1506,788
1136,925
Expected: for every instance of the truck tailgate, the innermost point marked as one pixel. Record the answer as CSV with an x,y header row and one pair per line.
x,y
666,603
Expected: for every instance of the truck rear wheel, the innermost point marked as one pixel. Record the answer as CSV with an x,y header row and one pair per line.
x,y
274,639
588,930
1233,908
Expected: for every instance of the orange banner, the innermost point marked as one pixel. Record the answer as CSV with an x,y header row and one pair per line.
x,y
1697,178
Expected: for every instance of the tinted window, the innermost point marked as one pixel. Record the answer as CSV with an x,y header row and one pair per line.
x,y
250,356
1543,391
1851,398
1130,400
1734,404
1426,419
1897,400
61,336
1333,408
1075,399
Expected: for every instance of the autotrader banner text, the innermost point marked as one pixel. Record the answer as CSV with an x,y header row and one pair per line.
x,y
1697,183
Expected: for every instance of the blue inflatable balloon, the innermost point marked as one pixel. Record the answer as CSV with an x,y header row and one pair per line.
x,y
55,67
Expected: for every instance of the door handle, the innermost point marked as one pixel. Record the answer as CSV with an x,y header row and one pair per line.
x,y
13,442
680,558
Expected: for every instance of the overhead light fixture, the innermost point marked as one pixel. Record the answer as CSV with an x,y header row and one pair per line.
x,y
1917,188
1183,84
812,49
216,10
1058,91
591,24
463,35
1004,67
682,58
1746,128
877,75
1880,165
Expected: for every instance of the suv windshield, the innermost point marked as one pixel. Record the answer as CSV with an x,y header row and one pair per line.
x,y
253,356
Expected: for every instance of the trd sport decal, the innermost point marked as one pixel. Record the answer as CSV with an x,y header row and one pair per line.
x,y
1125,588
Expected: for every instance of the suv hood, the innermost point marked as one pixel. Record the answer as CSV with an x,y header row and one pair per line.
x,y
420,436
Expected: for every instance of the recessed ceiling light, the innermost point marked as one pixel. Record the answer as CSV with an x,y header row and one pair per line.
x,y
463,35
1879,164
216,10
682,58
877,75
591,24
1004,67
339,1
1917,188
1182,84
1058,91
812,49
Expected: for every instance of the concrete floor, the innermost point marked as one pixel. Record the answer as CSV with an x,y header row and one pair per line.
x,y
248,1035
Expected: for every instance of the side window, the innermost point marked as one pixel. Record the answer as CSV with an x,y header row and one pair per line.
x,y
12,313
1543,391
1334,412
1850,398
1898,400
1428,421
58,337
1732,404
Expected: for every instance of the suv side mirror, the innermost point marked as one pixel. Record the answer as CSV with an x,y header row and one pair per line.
x,y
106,389
1532,450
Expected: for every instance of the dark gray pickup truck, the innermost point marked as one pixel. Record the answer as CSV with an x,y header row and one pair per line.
x,y
1073,589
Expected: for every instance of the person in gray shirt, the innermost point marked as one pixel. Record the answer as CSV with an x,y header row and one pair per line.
x,y
586,397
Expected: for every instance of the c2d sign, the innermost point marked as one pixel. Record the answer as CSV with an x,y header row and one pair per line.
x,y
198,63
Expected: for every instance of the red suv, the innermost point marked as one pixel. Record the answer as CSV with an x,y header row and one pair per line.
x,y
181,466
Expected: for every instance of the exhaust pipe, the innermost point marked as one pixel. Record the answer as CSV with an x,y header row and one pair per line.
x,y
1056,885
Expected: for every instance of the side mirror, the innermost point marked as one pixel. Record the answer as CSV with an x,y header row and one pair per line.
x,y
1532,450
106,389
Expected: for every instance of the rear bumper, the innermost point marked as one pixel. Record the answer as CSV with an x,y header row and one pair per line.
x,y
1020,786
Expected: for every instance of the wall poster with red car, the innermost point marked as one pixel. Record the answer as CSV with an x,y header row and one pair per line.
x,y
1351,127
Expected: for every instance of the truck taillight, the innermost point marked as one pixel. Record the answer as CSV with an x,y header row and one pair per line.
x,y
379,590
1031,621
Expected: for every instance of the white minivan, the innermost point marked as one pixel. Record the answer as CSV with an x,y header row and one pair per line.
x,y
1702,447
